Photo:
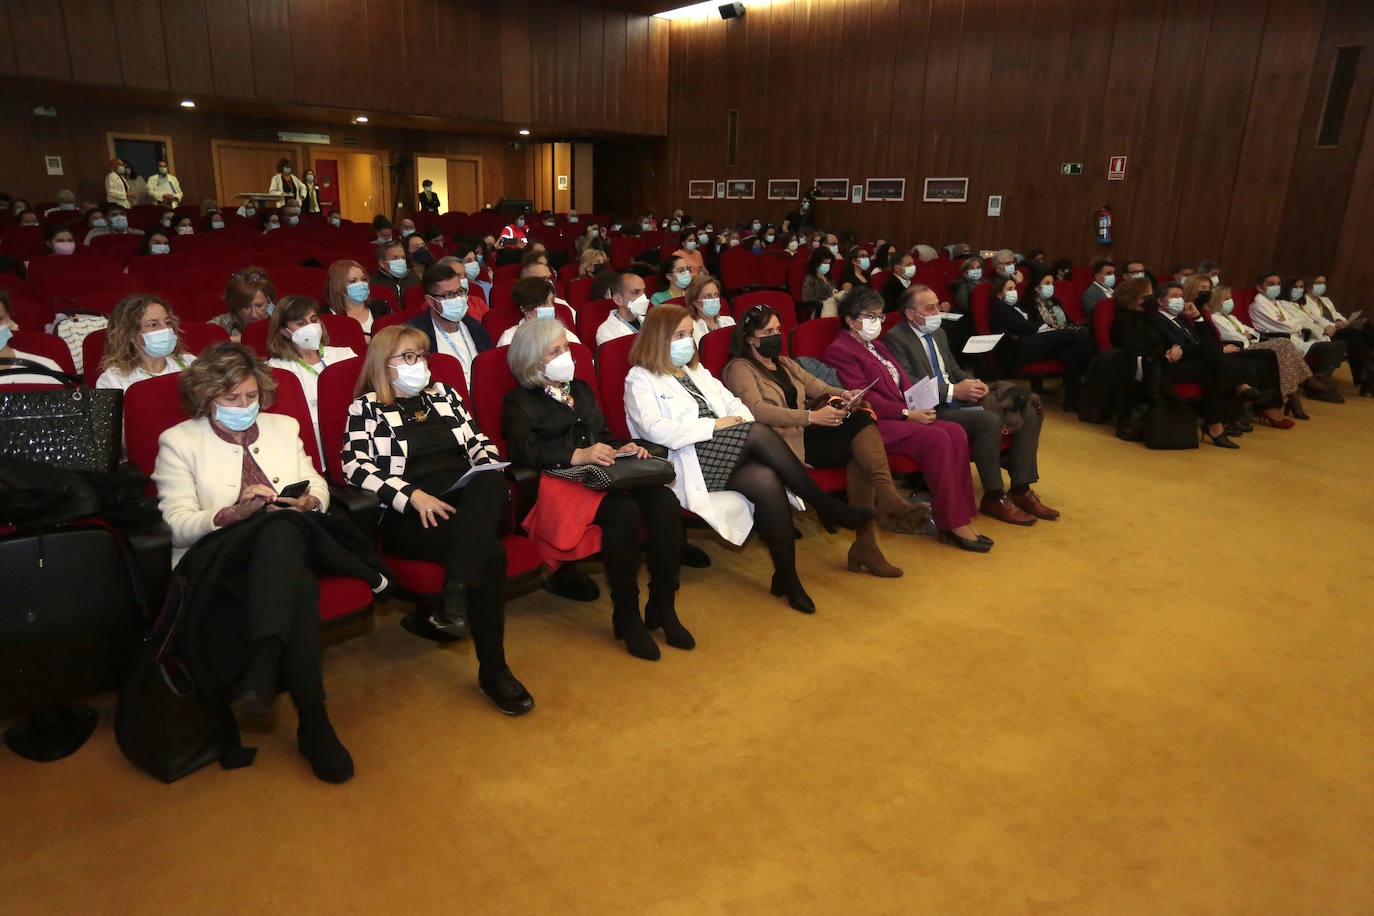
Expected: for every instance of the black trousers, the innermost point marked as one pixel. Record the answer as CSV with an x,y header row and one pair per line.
x,y
1359,342
1326,356
283,601
1263,371
1074,348
1219,381
656,513
467,546
984,431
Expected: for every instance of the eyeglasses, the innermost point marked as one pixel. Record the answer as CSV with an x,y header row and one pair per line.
x,y
409,357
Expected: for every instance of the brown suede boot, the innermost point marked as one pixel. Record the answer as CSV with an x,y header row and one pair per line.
x,y
868,472
864,552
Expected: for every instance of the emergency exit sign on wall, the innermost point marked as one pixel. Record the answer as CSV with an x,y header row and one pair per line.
x,y
1070,168
1116,168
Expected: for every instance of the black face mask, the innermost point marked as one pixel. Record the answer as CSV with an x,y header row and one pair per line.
x,y
599,267
422,256
770,347
1203,298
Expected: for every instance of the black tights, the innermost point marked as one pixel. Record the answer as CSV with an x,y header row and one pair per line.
x,y
767,468
622,516
283,602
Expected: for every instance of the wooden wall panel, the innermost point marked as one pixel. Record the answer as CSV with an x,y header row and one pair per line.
x,y
138,29
7,62
1352,271
269,24
189,63
40,43
1208,99
231,50
89,27
516,65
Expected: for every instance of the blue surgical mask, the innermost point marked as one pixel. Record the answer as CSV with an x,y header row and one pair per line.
x,y
472,269
1227,306
358,291
690,245
863,263
929,324
119,221
703,238
397,267
834,250
1319,289
1295,294
680,351
407,233
975,273
216,224
1011,297
682,278
99,224
236,418
544,311
293,220
1174,305
1047,291
454,307
823,268
1273,291
710,307
335,221
6,332
1109,281
160,248
159,343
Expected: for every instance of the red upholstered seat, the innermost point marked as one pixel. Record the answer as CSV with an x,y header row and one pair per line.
x,y
612,365
739,268
1103,314
300,281
492,379
779,302
46,345
590,317
194,335
810,338
773,266
623,250
715,350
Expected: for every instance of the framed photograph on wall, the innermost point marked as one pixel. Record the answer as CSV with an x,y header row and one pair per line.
x,y
946,191
739,189
701,189
891,189
784,188
832,188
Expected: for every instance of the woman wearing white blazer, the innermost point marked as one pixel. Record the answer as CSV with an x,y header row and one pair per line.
x,y
1359,341
222,466
731,472
283,182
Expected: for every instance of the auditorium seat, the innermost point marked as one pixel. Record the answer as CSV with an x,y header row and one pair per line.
x,y
47,345
715,350
810,338
195,335
60,288
739,269
779,302
612,365
590,317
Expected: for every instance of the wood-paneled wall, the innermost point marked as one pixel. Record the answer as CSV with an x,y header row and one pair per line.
x,y
78,132
1214,102
529,62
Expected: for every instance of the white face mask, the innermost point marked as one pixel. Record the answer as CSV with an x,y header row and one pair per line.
x,y
1047,291
872,327
1174,305
307,336
929,324
909,271
1295,294
1319,289
710,307
639,307
411,380
690,245
1011,297
792,245
560,368
682,278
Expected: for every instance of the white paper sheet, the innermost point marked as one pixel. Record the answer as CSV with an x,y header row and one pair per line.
x,y
951,316
478,469
982,343
923,395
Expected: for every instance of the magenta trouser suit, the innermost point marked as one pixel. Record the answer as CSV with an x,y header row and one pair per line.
x,y
941,447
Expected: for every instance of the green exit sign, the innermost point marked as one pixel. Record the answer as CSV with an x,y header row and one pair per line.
x,y
353,141
1070,168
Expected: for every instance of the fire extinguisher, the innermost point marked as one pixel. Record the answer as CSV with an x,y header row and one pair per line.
x,y
1103,218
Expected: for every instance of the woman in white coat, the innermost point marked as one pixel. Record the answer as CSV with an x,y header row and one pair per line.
x,y
297,342
732,472
230,462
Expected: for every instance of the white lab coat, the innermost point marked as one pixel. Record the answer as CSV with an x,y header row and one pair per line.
x,y
294,187
1272,317
660,410
197,473
116,191
164,184
509,334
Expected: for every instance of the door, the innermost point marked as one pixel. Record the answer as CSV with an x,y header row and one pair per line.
x,y
359,182
247,168
327,179
463,190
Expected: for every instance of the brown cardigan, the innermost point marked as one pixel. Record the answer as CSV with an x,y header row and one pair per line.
x,y
761,393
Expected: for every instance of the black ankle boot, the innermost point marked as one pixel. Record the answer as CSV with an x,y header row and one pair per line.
x,y
661,611
796,595
627,625
838,512
321,747
451,617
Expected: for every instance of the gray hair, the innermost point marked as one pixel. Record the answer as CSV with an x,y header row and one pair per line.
x,y
527,348
65,196
1002,255
925,253
449,260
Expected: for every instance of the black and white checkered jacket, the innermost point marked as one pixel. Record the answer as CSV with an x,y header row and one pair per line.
x,y
375,447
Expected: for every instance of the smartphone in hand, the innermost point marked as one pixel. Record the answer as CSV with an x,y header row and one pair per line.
x,y
292,491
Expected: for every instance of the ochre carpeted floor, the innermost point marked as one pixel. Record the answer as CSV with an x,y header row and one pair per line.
x,y
1161,703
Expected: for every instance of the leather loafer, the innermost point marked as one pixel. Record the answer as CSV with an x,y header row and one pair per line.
x,y
694,557
1029,503
505,692
978,545
253,709
451,617
1004,510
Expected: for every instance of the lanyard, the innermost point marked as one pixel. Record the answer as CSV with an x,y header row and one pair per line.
x,y
452,346
180,366
311,369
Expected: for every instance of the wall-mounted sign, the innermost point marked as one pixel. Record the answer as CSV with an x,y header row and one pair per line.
x,y
994,205
562,182
946,191
720,189
832,188
739,189
1070,168
893,189
701,189
856,194
292,136
1116,169
784,188
54,164
350,141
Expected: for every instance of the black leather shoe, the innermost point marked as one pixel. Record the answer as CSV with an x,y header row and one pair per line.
x,y
505,692
979,544
1235,429
1256,396
253,708
796,595
572,585
694,556
1219,441
451,617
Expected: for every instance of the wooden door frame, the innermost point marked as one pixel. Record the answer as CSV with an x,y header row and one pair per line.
x,y
110,136
291,150
312,150
453,157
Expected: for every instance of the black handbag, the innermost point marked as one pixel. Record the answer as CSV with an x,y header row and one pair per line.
x,y
624,474
1170,425
70,427
163,724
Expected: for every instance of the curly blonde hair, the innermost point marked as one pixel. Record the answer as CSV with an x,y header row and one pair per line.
x,y
218,371
125,329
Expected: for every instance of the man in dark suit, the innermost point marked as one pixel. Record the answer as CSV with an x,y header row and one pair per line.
x,y
918,344
446,322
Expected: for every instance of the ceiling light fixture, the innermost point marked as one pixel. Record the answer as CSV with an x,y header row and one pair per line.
x,y
188,103
524,131
360,119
